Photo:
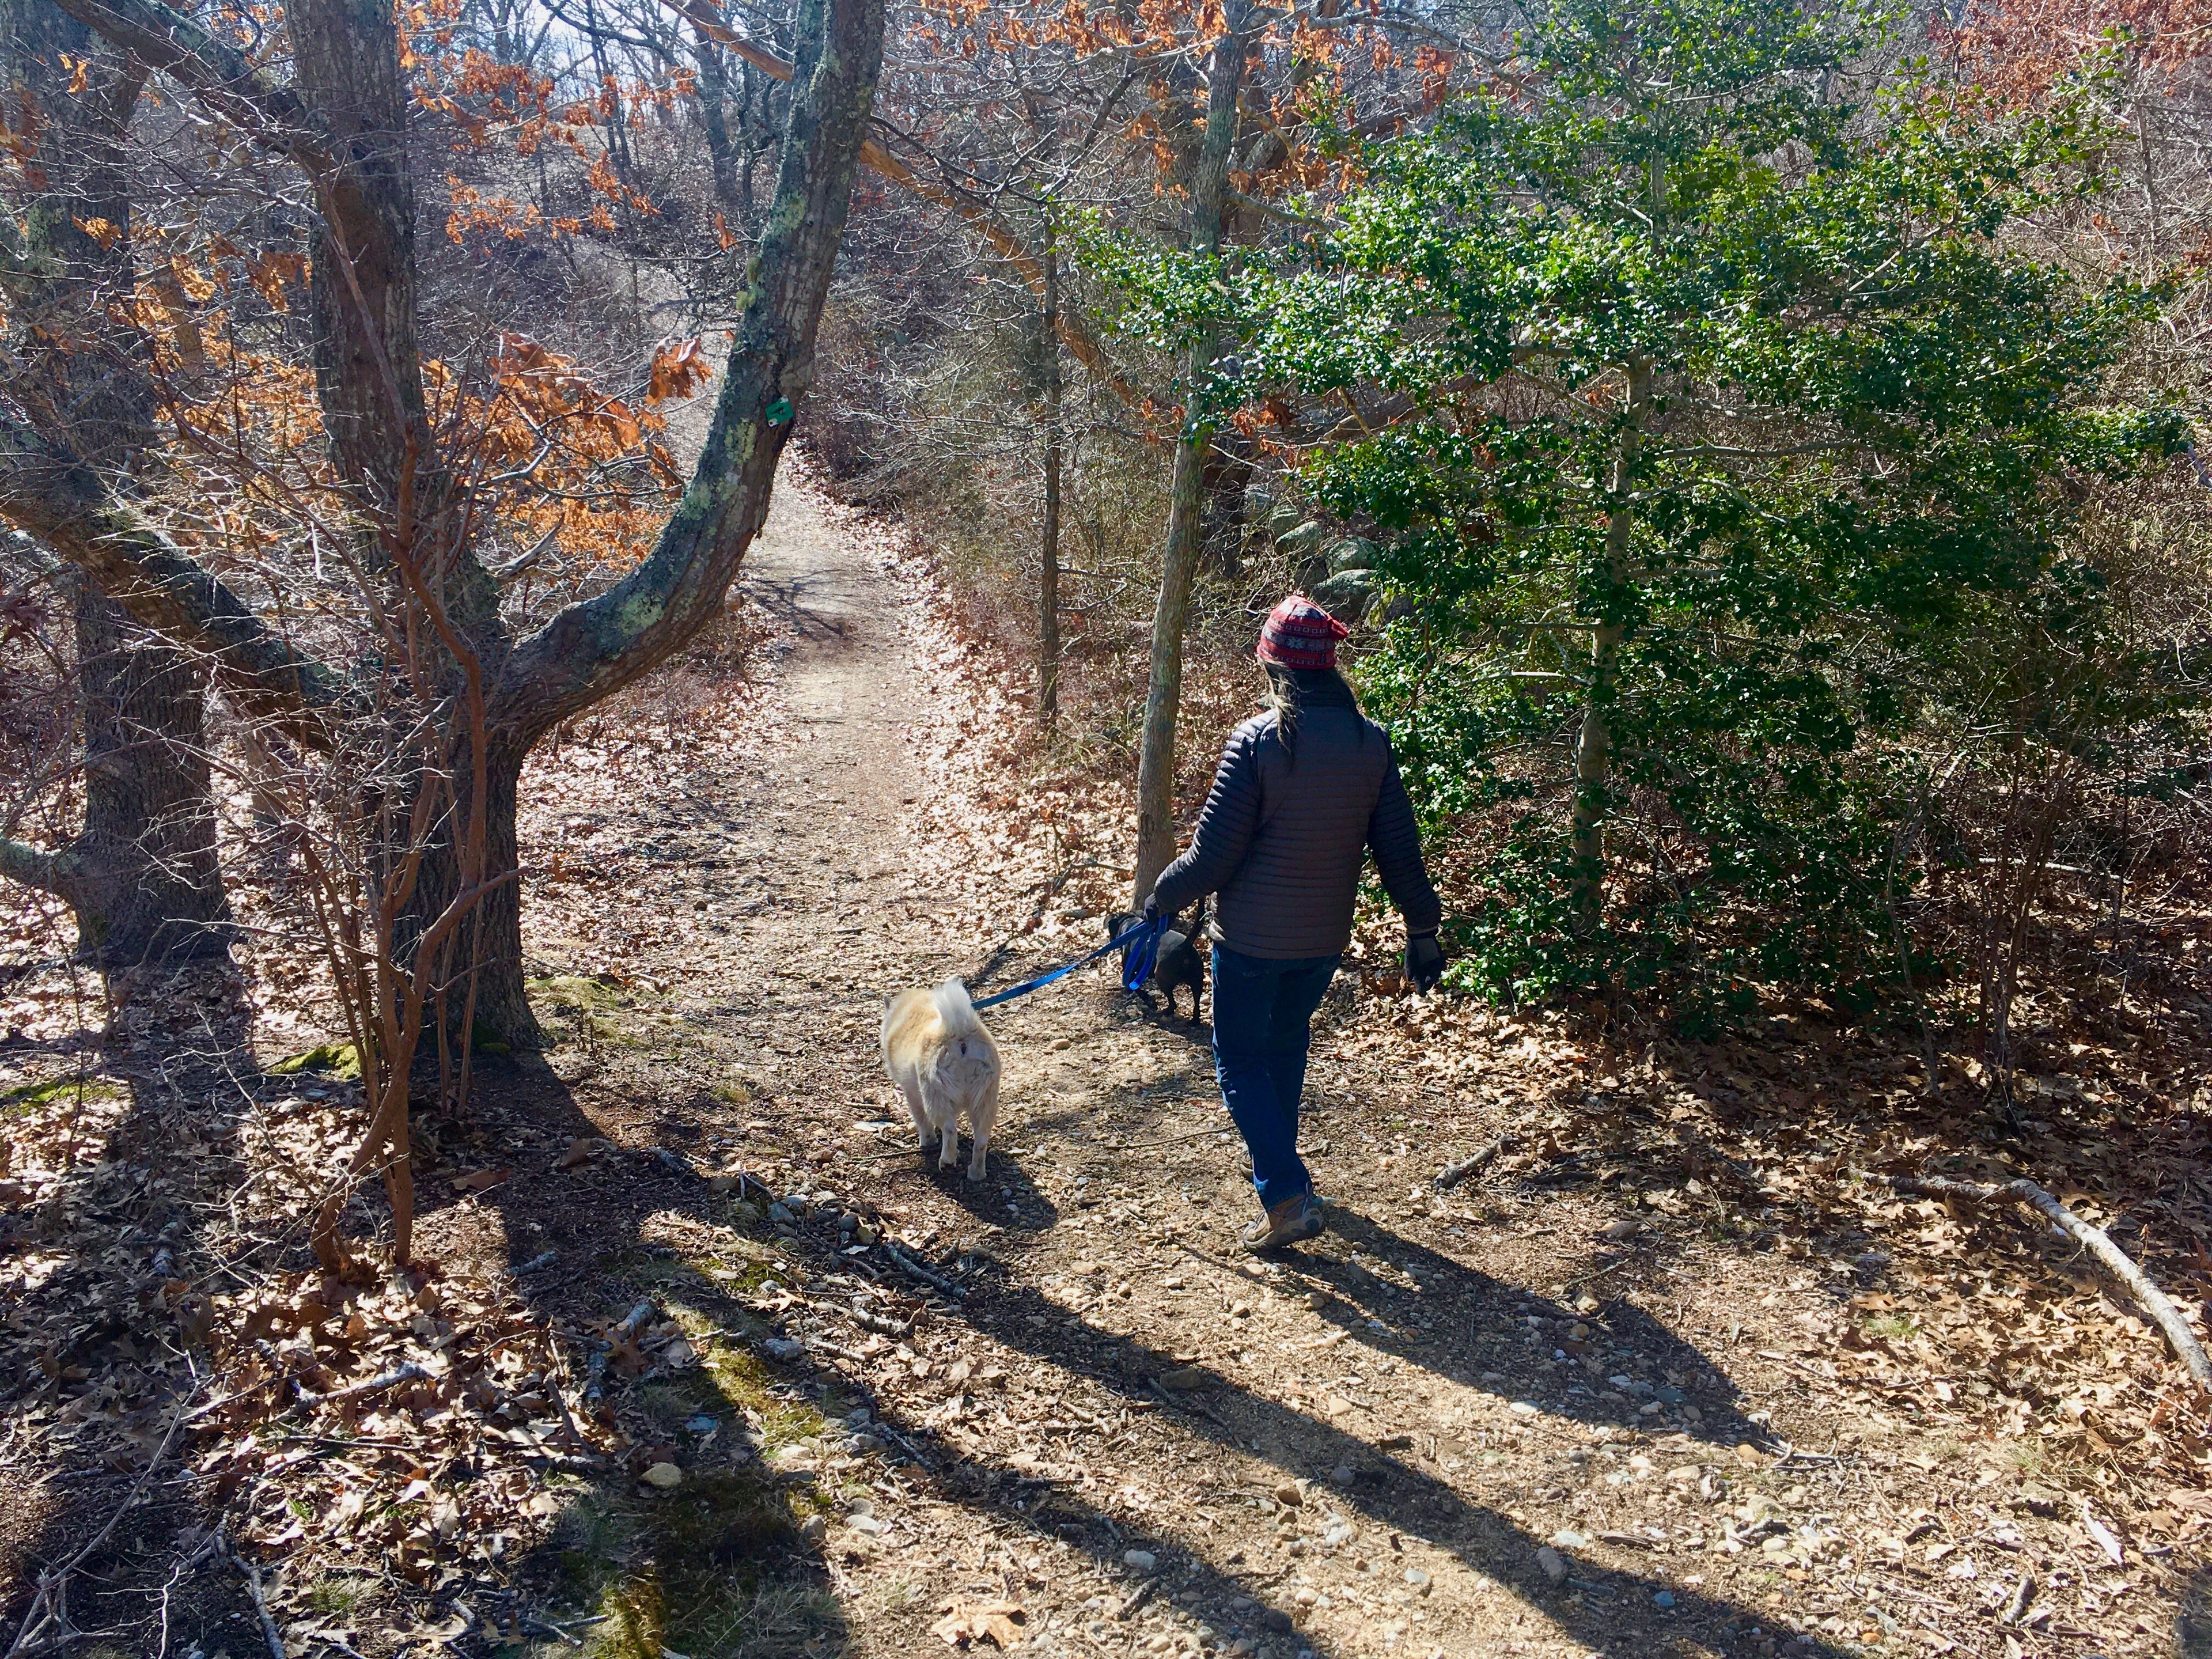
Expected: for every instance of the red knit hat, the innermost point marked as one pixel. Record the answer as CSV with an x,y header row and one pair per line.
x,y
1300,633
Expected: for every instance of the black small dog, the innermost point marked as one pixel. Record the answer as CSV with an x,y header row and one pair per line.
x,y
1182,960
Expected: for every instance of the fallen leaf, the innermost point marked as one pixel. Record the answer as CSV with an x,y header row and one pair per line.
x,y
480,1181
2107,1541
998,1623
579,1151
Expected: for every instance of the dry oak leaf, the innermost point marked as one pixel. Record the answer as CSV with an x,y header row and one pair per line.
x,y
998,1623
480,1181
579,1151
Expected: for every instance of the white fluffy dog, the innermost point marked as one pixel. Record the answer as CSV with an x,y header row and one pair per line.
x,y
938,1054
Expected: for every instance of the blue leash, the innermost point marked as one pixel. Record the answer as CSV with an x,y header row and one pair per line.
x,y
1143,940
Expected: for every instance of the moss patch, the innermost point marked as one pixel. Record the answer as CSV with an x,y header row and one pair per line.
x,y
585,1006
694,1572
334,1060
31,1096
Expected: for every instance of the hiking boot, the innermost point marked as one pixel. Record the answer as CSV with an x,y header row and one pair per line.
x,y
1291,1222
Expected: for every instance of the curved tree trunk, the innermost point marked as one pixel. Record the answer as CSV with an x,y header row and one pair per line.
x,y
352,153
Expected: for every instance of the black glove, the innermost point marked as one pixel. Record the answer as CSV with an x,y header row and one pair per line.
x,y
1424,961
1152,917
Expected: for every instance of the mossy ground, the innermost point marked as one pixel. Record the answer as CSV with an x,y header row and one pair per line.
x,y
715,1569
32,1096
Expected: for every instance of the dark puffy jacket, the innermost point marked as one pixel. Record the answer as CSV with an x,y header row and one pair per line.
x,y
1283,833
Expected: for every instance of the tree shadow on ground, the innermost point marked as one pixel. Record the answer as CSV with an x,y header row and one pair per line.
x,y
787,601
1609,1609
110,1337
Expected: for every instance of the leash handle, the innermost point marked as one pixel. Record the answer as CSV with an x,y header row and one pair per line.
x,y
1145,936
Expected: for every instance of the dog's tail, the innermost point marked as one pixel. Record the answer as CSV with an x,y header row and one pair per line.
x,y
955,1010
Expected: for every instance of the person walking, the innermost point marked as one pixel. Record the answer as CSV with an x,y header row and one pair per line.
x,y
1303,791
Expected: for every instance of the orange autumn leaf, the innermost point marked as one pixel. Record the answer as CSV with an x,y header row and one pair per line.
x,y
679,367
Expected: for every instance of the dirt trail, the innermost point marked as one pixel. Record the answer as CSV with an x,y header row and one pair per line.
x,y
1391,1443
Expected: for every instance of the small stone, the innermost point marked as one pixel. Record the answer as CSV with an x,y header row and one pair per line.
x,y
1343,1474
782,1347
1663,1600
781,1214
1525,1408
1183,1377
813,1530
702,1424
1748,1454
1276,1620
1552,1563
1568,1538
1288,1495
1140,1561
1417,1581
666,1476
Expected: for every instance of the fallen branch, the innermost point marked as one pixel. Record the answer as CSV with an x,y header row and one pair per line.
x,y
409,1372
2147,1296
1452,1175
916,1270
1136,1599
261,1605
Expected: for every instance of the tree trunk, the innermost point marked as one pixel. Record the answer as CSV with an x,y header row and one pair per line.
x,y
1228,474
368,369
1209,191
1593,743
153,892
713,115
1048,533
141,875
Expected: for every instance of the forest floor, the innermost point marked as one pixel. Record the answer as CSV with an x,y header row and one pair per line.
x,y
709,1362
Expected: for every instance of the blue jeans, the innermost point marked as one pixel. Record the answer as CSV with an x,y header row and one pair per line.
x,y
1262,1018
